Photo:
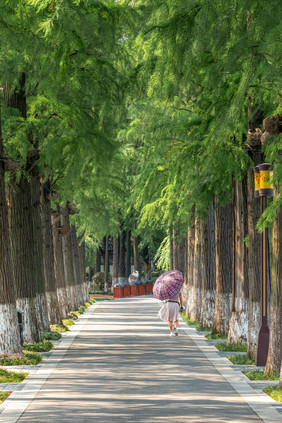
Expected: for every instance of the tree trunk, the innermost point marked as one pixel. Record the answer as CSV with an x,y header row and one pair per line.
x,y
98,260
182,254
59,263
106,284
121,265
54,310
197,274
254,259
208,270
175,247
9,334
137,264
238,324
190,264
71,287
115,260
171,250
82,268
75,261
275,341
223,242
128,254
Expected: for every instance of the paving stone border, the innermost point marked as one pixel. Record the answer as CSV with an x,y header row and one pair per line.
x,y
14,406
269,410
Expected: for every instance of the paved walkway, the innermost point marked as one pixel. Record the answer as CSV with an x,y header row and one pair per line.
x,y
118,364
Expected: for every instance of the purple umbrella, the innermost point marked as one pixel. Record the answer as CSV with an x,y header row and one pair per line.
x,y
168,285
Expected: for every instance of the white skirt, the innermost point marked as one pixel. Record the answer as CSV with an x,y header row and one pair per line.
x,y
169,312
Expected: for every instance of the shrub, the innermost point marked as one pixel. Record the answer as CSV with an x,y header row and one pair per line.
x,y
20,359
231,347
11,377
87,304
203,329
72,316
98,280
44,346
82,309
51,336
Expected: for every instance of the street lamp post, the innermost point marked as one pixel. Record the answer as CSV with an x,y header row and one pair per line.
x,y
263,189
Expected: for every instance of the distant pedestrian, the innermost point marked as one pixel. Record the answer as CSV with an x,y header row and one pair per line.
x,y
170,313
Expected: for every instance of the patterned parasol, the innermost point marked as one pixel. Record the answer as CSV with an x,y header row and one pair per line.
x,y
168,285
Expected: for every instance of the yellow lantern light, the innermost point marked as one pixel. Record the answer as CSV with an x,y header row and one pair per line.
x,y
265,180
257,177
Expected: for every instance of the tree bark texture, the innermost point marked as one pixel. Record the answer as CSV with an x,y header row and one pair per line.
x,y
238,324
254,258
82,268
275,341
115,260
9,334
128,254
175,247
98,260
76,267
54,310
223,242
71,286
59,262
197,273
137,262
106,285
190,264
171,250
121,264
208,270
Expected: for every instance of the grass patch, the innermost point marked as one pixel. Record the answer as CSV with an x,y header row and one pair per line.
x,y
274,392
59,328
67,322
259,375
97,291
51,336
203,328
43,346
231,347
216,336
241,359
3,396
188,321
20,359
11,377
103,299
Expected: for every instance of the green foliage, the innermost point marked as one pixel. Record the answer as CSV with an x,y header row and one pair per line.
x,y
222,346
241,359
51,336
98,281
162,257
187,320
38,346
11,377
97,291
203,329
259,375
274,392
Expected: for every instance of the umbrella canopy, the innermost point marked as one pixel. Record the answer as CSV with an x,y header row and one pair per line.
x,y
168,285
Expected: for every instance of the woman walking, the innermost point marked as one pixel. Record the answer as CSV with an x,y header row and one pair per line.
x,y
170,313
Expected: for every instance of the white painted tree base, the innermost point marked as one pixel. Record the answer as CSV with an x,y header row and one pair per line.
x,y
9,329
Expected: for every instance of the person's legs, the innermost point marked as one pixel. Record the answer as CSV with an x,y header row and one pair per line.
x,y
170,324
176,323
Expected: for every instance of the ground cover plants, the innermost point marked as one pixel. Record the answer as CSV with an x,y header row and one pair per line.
x,y
51,336
241,359
67,322
3,396
216,336
20,359
203,329
222,346
43,346
11,377
274,392
259,375
188,321
100,292
58,328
